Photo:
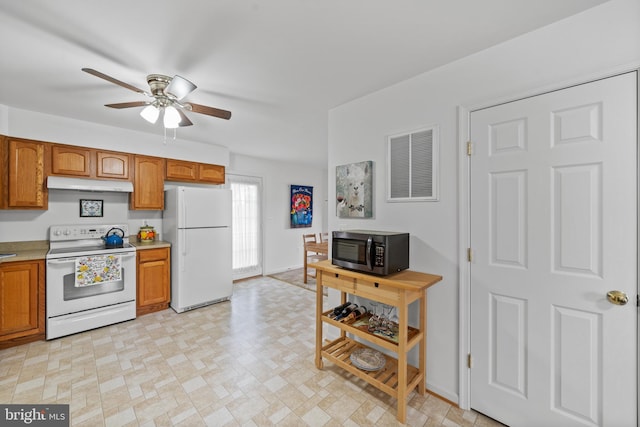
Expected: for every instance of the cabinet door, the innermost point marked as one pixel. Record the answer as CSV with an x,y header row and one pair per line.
x,y
211,173
148,183
19,299
153,278
112,165
26,175
74,161
179,170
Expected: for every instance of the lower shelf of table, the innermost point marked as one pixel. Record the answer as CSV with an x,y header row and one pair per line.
x,y
385,379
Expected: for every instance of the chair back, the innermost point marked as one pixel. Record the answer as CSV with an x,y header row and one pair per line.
x,y
324,237
308,238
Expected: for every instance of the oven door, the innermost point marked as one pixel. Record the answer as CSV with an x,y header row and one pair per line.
x,y
67,295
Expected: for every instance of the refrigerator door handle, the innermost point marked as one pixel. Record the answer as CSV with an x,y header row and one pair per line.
x,y
183,245
184,210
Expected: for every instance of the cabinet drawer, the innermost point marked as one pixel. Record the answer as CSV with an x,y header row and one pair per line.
x,y
377,291
146,255
346,284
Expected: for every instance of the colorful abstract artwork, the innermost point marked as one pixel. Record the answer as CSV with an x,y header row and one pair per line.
x,y
301,206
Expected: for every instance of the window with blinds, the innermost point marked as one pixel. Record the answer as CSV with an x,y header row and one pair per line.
x,y
412,166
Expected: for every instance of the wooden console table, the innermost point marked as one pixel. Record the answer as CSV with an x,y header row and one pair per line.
x,y
397,378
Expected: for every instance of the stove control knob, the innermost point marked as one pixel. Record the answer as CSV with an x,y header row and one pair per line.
x,y
56,232
67,232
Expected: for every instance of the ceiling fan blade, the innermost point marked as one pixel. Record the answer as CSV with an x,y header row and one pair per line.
x,y
180,87
127,104
210,111
115,81
184,120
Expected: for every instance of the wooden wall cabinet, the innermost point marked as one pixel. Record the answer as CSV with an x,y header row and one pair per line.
x,y
112,165
180,170
148,183
211,174
154,280
23,169
72,161
25,165
86,162
22,302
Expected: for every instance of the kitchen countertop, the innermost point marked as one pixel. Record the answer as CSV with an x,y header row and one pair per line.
x,y
25,251
133,240
37,249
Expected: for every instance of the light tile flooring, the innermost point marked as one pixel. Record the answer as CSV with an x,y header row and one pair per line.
x,y
248,362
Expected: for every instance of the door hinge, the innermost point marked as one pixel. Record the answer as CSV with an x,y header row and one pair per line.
x,y
469,148
469,360
469,255
638,300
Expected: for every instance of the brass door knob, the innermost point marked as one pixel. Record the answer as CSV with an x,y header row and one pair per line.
x,y
617,297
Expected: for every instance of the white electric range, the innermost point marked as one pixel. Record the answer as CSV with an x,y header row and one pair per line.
x,y
89,285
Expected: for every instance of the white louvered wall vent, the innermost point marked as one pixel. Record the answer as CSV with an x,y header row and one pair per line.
x,y
412,166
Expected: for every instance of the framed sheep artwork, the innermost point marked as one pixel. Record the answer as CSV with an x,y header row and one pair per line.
x,y
354,190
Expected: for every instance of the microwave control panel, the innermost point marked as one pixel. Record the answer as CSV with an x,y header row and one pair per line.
x,y
379,262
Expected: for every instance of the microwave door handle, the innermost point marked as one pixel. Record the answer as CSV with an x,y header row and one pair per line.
x,y
369,252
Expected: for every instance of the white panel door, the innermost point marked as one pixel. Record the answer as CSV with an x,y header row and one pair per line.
x,y
553,186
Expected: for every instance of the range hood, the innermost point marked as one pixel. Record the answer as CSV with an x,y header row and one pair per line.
x,y
82,184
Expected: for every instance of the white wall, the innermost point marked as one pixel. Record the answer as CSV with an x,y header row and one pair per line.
x,y
282,244
592,44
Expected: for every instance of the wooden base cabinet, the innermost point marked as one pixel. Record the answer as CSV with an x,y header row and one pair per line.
x,y
22,302
154,280
397,378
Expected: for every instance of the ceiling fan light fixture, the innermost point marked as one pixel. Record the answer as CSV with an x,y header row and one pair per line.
x,y
150,113
180,87
172,118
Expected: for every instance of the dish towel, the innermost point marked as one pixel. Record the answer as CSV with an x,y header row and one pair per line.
x,y
98,269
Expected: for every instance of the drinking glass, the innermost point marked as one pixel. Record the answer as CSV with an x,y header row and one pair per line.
x,y
374,319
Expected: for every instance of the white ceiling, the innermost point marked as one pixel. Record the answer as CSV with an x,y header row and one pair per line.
x,y
278,65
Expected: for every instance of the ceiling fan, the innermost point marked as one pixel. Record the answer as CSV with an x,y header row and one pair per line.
x,y
167,94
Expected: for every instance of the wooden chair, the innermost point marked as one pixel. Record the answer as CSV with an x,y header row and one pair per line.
x,y
310,255
324,237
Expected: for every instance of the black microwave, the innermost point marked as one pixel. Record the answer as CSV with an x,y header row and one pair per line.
x,y
375,252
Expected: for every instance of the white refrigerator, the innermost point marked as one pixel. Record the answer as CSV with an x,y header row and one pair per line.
x,y
197,223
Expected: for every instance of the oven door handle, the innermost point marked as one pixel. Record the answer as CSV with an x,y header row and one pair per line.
x,y
61,261
69,260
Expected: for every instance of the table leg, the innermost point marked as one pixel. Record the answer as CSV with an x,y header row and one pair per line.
x,y
319,301
305,265
423,345
403,320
